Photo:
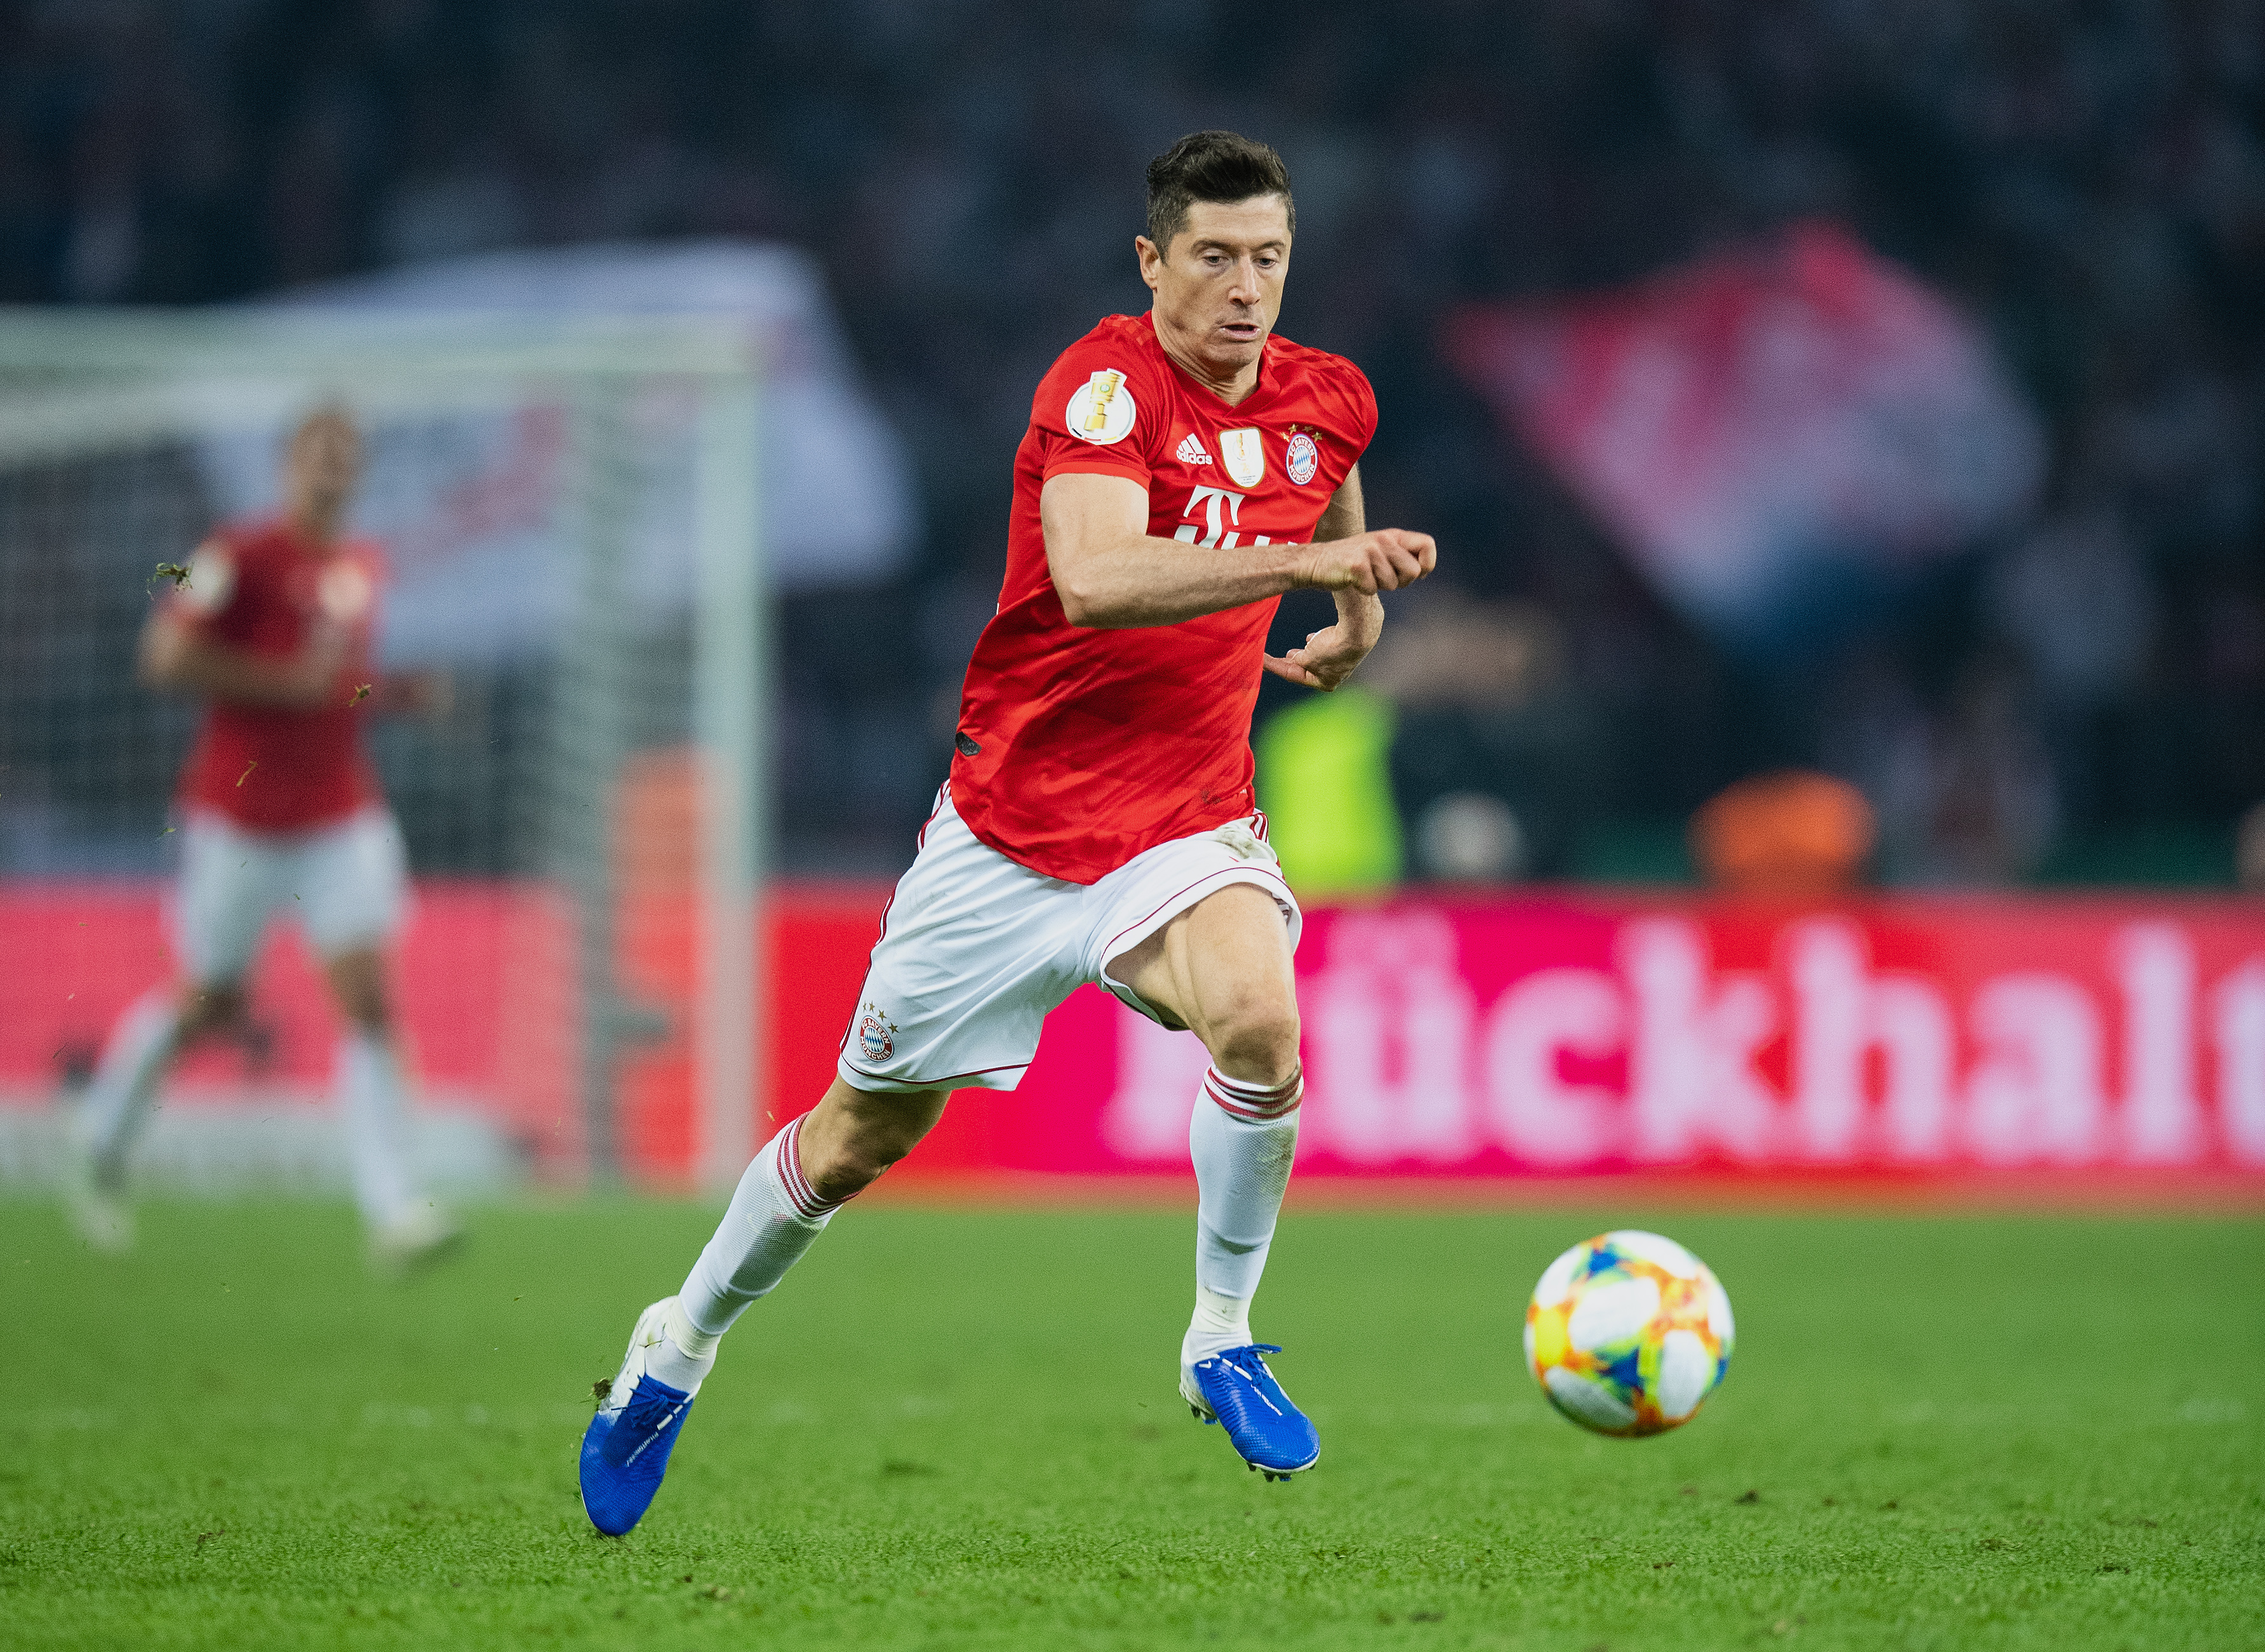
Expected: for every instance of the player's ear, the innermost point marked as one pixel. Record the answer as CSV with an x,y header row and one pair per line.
x,y
1150,255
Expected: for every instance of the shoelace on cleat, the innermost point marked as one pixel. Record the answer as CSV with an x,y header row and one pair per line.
x,y
1225,1360
1247,1348
649,1415
1256,1388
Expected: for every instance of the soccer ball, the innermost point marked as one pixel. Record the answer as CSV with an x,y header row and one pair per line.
x,y
1628,1334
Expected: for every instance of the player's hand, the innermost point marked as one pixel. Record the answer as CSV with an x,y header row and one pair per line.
x,y
1383,559
1328,659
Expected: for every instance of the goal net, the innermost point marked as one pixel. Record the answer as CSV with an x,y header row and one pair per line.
x,y
569,510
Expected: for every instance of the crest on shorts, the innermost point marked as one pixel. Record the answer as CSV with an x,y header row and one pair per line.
x,y
1302,460
1245,456
876,1034
1101,410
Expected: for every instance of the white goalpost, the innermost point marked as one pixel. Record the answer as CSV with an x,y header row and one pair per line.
x,y
570,507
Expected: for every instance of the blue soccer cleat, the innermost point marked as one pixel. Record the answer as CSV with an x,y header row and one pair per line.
x,y
1233,1387
625,1449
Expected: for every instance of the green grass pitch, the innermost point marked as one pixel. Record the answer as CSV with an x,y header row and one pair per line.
x,y
956,1428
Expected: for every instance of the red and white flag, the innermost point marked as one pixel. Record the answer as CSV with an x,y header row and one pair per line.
x,y
1769,432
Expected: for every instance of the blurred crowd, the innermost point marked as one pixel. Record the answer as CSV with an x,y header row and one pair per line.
x,y
2081,697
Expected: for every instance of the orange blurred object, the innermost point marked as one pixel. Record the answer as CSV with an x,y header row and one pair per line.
x,y
1792,833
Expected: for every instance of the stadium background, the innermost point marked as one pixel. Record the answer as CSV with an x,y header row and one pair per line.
x,y
1960,309
2085,183
2037,646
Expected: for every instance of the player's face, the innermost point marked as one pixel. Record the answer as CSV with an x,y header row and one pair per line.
x,y
324,462
1219,287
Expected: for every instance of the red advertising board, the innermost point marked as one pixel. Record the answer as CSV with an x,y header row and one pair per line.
x,y
1544,1034
1588,1034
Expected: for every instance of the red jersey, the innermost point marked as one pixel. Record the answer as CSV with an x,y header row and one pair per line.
x,y
1079,748
258,588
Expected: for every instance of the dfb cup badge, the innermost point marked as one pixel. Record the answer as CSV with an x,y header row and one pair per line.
x,y
1245,453
1303,459
876,1034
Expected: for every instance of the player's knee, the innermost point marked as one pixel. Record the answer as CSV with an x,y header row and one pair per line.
x,y
848,1145
1258,1040
358,985
855,1165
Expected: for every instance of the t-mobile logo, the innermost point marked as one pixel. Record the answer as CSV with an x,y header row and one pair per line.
x,y
1219,508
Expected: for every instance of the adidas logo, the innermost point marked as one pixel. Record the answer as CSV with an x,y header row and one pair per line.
x,y
1191,451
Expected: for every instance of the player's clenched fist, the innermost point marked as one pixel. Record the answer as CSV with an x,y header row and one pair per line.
x,y
1387,559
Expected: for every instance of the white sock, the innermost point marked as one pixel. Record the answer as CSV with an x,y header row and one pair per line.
x,y
374,1102
125,1083
774,1216
685,1354
1242,1138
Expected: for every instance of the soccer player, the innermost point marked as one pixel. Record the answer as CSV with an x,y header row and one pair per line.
x,y
1181,471
271,624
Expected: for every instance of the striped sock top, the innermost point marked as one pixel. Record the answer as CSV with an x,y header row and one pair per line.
x,y
1258,1104
799,1192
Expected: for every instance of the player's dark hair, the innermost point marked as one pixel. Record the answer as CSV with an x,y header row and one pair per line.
x,y
1219,166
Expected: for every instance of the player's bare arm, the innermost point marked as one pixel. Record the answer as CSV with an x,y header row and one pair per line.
x,y
174,656
1330,657
1110,573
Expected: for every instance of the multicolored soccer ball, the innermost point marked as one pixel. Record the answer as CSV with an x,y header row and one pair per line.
x,y
1628,1333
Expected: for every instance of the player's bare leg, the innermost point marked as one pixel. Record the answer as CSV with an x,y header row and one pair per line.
x,y
140,1047
406,1229
852,1136
783,1202
789,1193
1223,968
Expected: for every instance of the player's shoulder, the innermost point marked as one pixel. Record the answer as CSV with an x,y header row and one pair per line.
x,y
1100,388
368,554
1324,387
1304,365
1125,344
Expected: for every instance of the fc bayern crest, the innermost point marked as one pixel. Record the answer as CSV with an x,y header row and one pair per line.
x,y
1303,459
876,1034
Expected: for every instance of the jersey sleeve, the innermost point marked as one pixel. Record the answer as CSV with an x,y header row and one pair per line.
x,y
1098,412
205,586
1359,408
1364,406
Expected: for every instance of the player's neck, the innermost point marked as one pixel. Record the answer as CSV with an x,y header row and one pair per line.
x,y
1231,382
317,529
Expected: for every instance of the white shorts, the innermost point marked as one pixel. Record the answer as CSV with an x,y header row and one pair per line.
x,y
976,949
347,885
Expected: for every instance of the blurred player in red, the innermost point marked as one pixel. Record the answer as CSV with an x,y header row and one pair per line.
x,y
1182,470
271,624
